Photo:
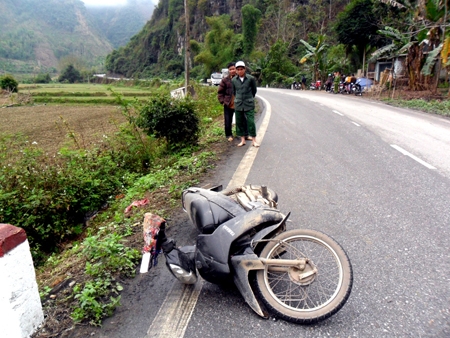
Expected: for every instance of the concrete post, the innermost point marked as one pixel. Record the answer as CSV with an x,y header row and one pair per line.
x,y
20,304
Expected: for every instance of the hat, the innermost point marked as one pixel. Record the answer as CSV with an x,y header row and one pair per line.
x,y
240,64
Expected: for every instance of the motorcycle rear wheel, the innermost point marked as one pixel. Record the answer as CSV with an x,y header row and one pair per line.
x,y
312,298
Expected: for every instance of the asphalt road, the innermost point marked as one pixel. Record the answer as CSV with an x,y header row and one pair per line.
x,y
375,178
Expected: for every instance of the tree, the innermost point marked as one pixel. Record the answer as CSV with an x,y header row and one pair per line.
x,y
175,120
278,67
280,22
250,20
356,26
217,50
315,54
43,78
70,74
9,83
424,35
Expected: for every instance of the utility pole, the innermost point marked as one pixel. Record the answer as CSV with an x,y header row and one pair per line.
x,y
187,48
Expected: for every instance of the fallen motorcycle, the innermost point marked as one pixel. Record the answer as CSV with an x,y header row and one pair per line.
x,y
299,275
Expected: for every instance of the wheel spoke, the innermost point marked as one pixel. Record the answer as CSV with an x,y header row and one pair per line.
x,y
305,297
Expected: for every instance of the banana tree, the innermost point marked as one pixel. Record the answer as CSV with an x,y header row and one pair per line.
x,y
437,13
315,53
427,27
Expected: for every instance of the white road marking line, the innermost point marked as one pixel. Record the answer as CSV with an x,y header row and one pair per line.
x,y
404,152
336,112
173,317
356,124
176,311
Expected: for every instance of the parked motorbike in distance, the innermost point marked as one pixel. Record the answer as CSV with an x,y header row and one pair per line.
x,y
297,85
357,88
316,85
300,275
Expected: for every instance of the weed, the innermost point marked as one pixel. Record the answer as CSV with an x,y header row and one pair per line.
x,y
91,300
108,254
105,256
45,292
432,106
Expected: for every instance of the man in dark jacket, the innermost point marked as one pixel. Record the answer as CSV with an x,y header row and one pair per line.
x,y
244,90
226,98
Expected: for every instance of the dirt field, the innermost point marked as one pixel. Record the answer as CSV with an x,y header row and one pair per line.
x,y
45,124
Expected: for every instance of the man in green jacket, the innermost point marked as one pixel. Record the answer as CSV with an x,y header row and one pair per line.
x,y
244,90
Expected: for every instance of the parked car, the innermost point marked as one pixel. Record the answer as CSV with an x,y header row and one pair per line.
x,y
216,78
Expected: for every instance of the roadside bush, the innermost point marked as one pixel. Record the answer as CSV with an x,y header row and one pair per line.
x,y
173,119
43,78
8,82
51,197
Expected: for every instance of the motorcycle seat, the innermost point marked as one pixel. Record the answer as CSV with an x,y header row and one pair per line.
x,y
208,209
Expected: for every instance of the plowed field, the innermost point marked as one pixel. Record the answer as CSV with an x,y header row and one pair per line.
x,y
50,125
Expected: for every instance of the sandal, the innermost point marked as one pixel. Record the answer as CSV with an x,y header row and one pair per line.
x,y
256,145
241,144
249,138
230,139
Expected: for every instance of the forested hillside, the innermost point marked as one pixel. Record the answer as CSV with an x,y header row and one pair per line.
x,y
159,46
120,23
281,39
42,36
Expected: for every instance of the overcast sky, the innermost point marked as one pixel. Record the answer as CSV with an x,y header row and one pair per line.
x,y
105,2
109,2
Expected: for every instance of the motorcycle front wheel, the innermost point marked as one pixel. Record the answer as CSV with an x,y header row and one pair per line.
x,y
312,292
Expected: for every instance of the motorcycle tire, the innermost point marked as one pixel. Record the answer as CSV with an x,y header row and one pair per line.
x,y
313,297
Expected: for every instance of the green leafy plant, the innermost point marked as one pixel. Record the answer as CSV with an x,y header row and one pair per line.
x,y
51,197
70,74
8,82
173,119
108,254
95,300
45,292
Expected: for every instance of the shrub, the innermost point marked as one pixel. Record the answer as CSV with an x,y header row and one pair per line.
x,y
8,82
50,198
43,78
70,74
173,119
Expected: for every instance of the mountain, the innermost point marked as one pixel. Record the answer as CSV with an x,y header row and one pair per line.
x,y
120,23
158,49
39,36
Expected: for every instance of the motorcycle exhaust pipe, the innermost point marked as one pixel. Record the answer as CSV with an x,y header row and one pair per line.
x,y
181,263
182,275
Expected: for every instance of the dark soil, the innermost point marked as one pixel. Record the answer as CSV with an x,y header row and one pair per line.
x,y
50,125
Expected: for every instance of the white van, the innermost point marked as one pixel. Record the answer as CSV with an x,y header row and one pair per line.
x,y
216,78
224,72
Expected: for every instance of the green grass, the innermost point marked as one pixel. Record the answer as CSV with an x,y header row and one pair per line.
x,y
83,93
78,89
432,106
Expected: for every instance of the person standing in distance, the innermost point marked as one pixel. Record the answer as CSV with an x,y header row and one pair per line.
x,y
226,98
303,82
244,90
